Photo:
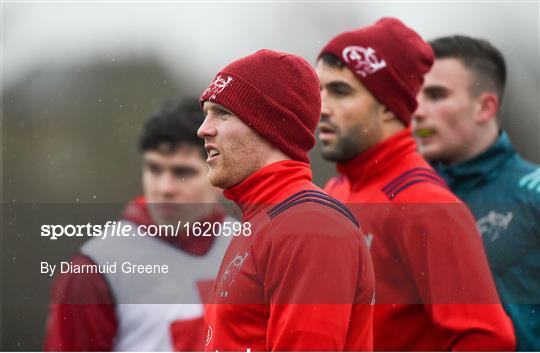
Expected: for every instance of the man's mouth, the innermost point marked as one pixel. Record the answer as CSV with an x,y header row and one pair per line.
x,y
326,132
212,152
424,132
166,209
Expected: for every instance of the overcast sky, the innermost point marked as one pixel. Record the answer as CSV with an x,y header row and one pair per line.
x,y
201,37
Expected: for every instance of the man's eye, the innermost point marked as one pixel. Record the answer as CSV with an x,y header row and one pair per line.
x,y
184,173
341,92
436,94
224,113
154,169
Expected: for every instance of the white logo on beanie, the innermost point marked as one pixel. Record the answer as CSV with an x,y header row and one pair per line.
x,y
217,87
365,60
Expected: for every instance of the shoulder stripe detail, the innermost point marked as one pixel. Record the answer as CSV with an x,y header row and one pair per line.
x,y
316,193
313,196
411,173
411,177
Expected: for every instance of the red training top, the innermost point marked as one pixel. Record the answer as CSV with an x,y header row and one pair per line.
x,y
434,287
303,280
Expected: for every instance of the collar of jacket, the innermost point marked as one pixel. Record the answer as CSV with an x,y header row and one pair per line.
x,y
378,159
137,212
481,169
269,186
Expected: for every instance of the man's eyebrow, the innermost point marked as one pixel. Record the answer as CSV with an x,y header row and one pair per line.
x,y
150,163
221,109
430,89
217,109
338,84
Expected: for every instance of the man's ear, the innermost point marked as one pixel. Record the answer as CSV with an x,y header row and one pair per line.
x,y
487,107
390,124
386,114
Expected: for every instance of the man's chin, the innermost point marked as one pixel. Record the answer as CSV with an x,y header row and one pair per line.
x,y
430,153
217,179
167,219
331,154
327,150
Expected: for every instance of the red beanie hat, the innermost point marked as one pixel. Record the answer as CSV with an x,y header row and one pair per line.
x,y
389,59
276,94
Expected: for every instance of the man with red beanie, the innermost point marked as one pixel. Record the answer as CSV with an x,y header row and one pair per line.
x,y
434,288
301,278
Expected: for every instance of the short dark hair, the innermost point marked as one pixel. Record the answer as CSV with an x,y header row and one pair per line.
x,y
332,60
480,56
175,124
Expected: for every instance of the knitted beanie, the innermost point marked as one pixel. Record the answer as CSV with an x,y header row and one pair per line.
x,y
389,59
276,94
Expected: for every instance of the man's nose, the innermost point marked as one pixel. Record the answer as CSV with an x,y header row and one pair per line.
x,y
326,109
167,185
207,129
420,112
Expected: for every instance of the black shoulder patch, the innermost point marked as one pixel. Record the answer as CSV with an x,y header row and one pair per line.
x,y
411,177
312,196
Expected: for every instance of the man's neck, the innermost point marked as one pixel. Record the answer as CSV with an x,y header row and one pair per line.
x,y
391,128
482,142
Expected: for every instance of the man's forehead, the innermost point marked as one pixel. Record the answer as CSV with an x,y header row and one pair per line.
x,y
208,105
330,76
330,73
447,70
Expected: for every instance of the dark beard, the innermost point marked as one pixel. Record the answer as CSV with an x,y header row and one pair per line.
x,y
343,151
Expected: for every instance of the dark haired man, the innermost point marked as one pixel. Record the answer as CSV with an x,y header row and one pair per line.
x,y
303,280
140,312
434,287
456,128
